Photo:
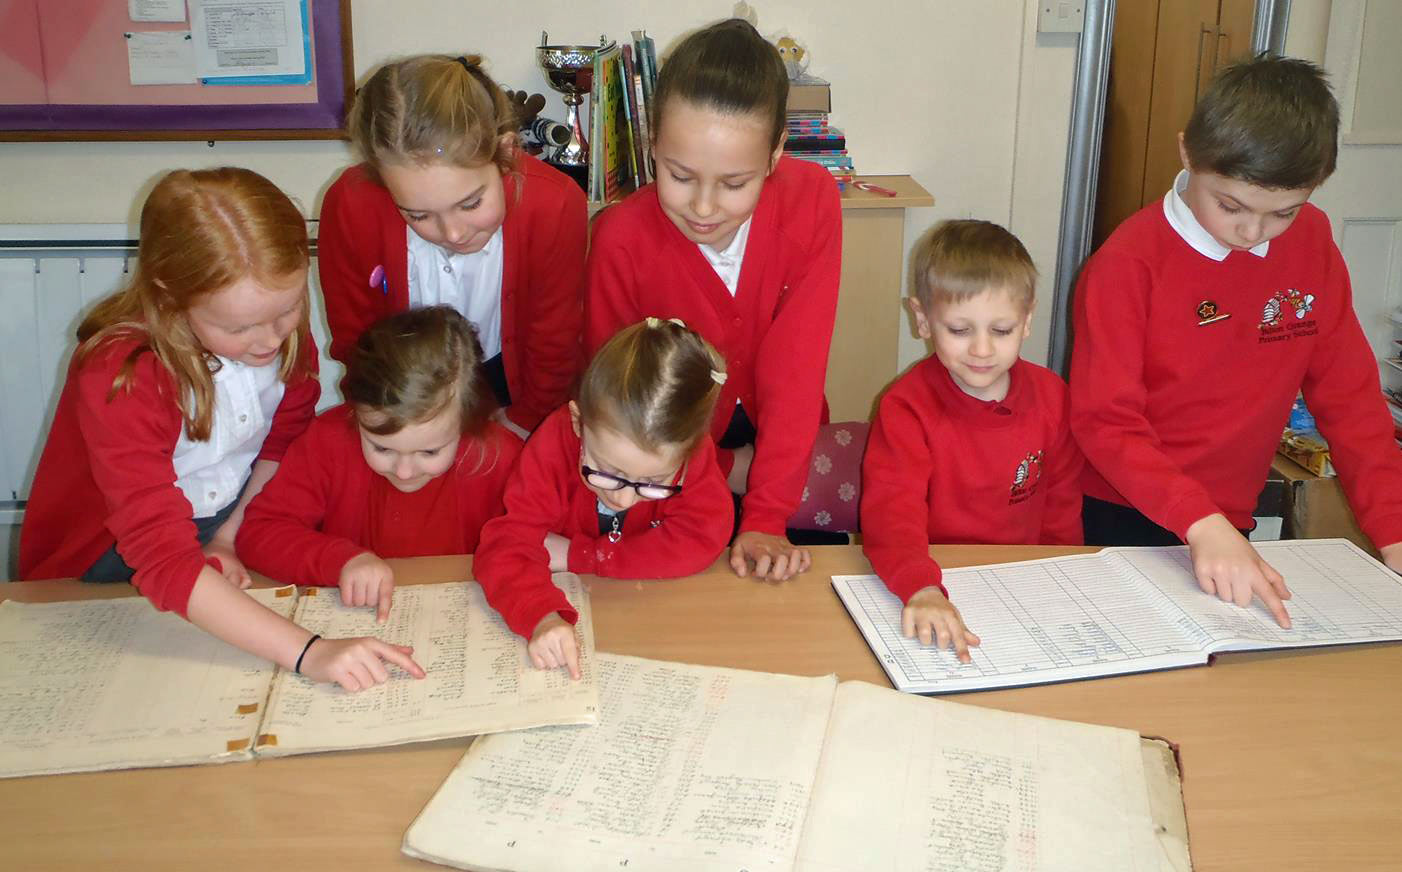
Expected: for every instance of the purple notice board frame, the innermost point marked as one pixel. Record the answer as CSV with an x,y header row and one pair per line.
x,y
323,119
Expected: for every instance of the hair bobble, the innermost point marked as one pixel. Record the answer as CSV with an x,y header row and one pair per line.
x,y
466,64
655,322
717,376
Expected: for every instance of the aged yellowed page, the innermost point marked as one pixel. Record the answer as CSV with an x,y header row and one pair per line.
x,y
690,768
115,684
480,679
909,784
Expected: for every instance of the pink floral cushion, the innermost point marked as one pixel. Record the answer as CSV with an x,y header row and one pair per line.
x,y
834,488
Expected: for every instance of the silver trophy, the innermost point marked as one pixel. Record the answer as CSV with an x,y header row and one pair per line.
x,y
569,69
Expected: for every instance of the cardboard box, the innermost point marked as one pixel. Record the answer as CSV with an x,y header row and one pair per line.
x,y
1315,507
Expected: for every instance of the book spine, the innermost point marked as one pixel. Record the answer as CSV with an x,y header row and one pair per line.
x,y
632,101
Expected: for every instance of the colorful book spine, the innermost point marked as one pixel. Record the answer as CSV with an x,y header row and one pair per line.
x,y
632,133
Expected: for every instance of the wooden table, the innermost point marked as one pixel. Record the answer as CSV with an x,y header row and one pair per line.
x,y
1290,760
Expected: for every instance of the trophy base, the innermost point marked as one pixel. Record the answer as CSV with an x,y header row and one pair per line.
x,y
579,173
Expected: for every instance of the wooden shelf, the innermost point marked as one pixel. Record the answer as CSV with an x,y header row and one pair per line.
x,y
909,193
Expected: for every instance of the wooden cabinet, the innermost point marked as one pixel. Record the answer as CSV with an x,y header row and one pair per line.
x,y
866,338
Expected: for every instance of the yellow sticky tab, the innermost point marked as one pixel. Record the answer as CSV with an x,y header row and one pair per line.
x,y
267,739
237,744
311,591
248,708
285,592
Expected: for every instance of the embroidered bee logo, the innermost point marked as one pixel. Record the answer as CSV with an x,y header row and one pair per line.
x,y
1300,302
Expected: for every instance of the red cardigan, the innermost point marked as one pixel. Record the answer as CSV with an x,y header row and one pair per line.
x,y
1180,419
326,505
544,238
106,475
944,467
660,538
774,333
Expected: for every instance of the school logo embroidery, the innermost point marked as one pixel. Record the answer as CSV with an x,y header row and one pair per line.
x,y
1025,479
1297,301
1277,325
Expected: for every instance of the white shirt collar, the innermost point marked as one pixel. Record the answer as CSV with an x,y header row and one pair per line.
x,y
1186,225
726,263
452,257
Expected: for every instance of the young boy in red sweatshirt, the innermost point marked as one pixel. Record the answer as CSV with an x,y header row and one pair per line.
x,y
972,445
1201,318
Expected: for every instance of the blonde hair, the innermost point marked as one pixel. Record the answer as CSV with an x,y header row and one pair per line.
x,y
655,382
958,260
407,368
433,109
201,231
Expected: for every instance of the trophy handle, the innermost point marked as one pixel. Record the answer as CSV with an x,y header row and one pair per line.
x,y
544,38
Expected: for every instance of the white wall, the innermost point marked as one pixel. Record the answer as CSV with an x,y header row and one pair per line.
x,y
961,94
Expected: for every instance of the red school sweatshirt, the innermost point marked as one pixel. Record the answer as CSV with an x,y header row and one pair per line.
x,y
667,538
107,476
774,333
1184,370
944,467
326,505
544,237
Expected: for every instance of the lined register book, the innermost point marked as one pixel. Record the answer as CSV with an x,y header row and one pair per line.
x,y
115,684
1123,610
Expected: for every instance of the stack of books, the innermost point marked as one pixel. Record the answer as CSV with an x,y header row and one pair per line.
x,y
620,117
811,136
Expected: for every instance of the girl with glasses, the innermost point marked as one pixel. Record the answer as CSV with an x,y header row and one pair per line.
x,y
621,483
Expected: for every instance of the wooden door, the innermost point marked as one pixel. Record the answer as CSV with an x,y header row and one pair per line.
x,y
1163,55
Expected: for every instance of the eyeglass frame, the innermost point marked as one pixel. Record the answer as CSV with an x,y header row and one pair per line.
x,y
618,483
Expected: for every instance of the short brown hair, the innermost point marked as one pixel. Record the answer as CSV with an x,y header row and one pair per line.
x,y
730,68
655,382
958,260
407,368
201,231
1270,121
431,109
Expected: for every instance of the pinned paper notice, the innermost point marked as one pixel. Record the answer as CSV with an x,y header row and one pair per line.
x,y
165,57
156,10
249,38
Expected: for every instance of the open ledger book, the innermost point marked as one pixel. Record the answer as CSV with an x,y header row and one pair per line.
x,y
701,768
1124,610
115,684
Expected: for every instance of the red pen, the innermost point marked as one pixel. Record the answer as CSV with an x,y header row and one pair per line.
x,y
875,189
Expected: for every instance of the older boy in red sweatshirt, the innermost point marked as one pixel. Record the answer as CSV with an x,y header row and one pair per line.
x,y
972,445
1199,320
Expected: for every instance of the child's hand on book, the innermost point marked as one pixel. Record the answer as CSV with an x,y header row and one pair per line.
x,y
1226,565
366,580
357,664
930,615
770,557
553,644
1392,556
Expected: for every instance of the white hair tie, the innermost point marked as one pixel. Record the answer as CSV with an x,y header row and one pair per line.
x,y
655,322
717,376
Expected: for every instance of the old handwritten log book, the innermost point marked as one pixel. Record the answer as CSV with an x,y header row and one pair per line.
x,y
114,684
704,768
1124,610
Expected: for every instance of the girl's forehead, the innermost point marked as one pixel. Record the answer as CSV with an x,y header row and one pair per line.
x,y
707,129
623,455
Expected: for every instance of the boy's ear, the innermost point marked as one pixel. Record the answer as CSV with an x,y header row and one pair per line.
x,y
574,416
922,321
1183,153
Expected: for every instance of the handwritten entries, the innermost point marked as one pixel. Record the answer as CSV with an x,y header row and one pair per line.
x,y
115,684
480,679
701,768
1124,610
